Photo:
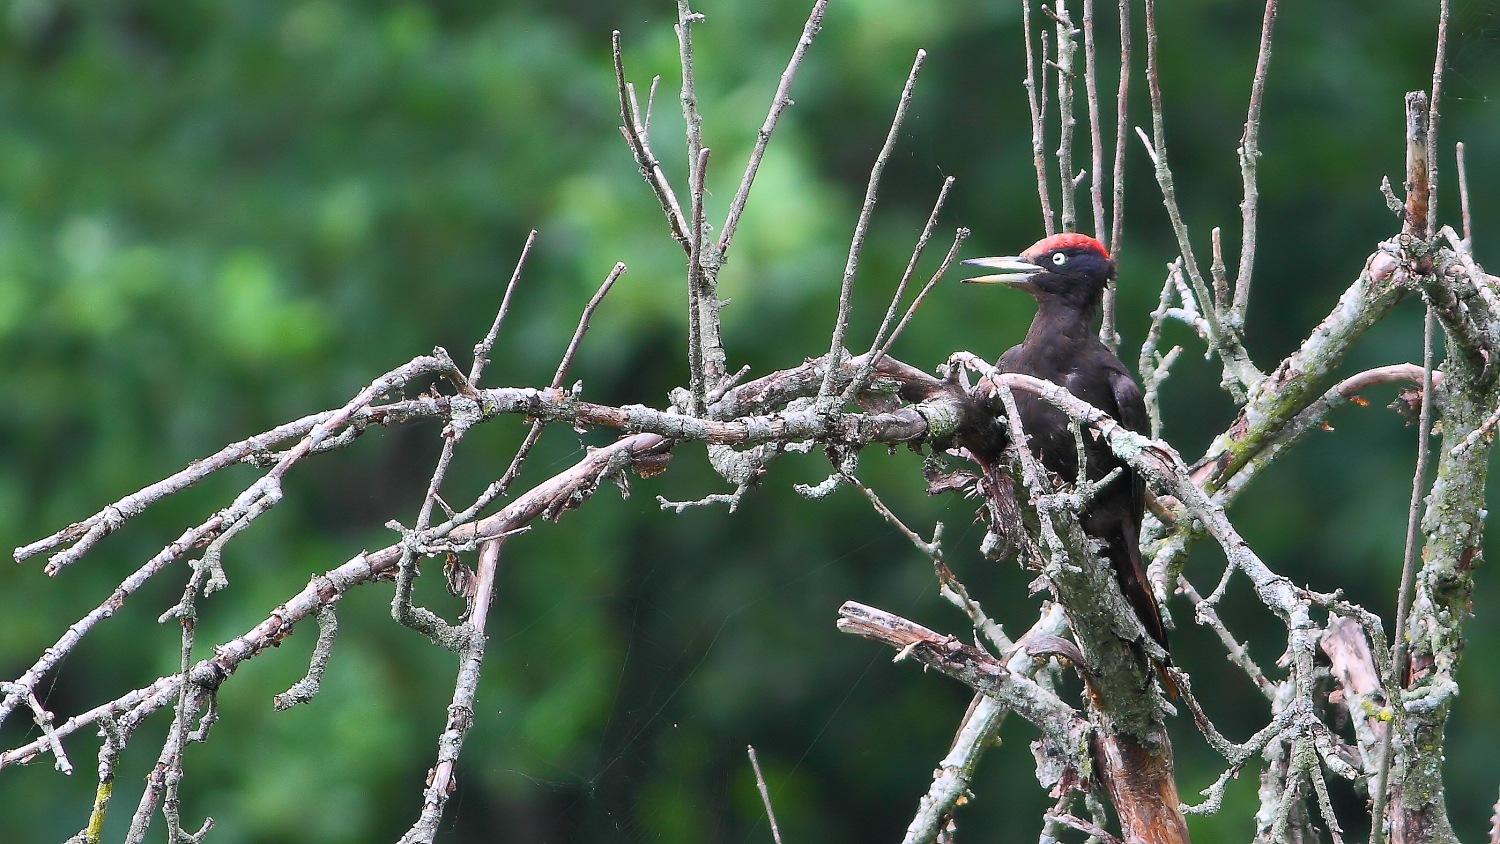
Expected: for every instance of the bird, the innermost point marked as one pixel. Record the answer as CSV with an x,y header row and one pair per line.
x,y
1067,274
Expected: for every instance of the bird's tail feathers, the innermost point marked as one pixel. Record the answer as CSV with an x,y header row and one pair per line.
x,y
1135,585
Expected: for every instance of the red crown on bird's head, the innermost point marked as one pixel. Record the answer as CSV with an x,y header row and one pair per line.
x,y
1063,240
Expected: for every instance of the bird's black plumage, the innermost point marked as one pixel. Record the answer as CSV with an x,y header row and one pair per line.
x,y
1068,276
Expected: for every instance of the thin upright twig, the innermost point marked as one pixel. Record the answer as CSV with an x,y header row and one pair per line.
x,y
911,310
1398,674
1249,152
686,17
1122,134
440,783
1096,133
1043,98
499,487
1067,182
765,795
1218,272
1240,373
402,609
696,290
779,102
1418,171
482,350
1038,143
862,226
645,159
1440,55
1107,331
1463,193
911,267
697,163
615,272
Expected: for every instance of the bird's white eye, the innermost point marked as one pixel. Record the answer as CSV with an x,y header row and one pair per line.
x,y
1059,259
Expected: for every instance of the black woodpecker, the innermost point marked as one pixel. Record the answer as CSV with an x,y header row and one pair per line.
x,y
1067,274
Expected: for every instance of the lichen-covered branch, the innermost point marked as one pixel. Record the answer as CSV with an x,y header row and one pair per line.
x,y
979,731
1453,526
970,665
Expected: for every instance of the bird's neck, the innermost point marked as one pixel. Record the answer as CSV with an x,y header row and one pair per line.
x,y
1057,319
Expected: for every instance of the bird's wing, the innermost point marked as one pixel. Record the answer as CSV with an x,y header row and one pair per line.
x,y
1010,359
1130,404
1130,412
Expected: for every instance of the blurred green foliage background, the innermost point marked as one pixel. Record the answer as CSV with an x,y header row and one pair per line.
x,y
216,215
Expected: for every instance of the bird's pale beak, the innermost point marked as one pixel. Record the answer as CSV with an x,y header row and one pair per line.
x,y
1015,271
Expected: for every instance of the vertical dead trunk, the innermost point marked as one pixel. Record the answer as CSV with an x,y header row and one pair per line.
x,y
1138,774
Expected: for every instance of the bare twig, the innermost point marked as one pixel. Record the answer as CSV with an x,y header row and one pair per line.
x,y
113,738
1096,134
583,324
696,288
1463,192
43,720
1240,373
979,731
874,357
779,102
1218,272
1122,135
482,351
1154,367
765,795
1249,152
686,17
911,267
645,159
168,774
1038,132
862,226
1089,829
1440,55
949,585
1107,331
514,469
1066,47
970,665
440,782
958,238
1206,614
303,690
1398,672
1418,171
